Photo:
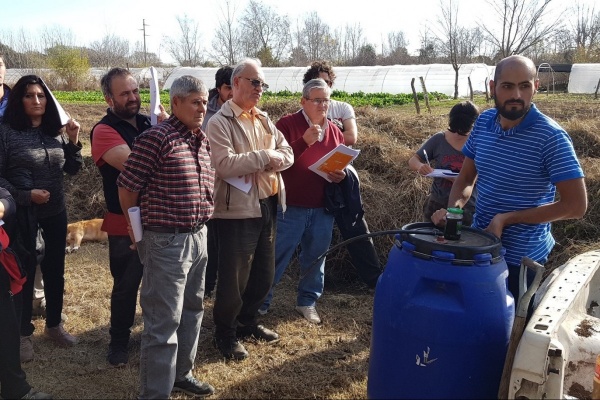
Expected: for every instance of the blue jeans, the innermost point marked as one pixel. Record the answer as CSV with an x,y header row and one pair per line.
x,y
171,297
311,228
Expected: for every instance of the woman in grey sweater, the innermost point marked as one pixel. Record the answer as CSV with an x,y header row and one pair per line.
x,y
34,154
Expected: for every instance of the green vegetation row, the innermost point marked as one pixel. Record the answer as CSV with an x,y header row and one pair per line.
x,y
355,99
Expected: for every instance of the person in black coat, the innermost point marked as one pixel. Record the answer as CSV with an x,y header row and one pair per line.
x,y
13,382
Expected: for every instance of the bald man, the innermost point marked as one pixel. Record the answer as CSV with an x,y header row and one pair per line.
x,y
520,159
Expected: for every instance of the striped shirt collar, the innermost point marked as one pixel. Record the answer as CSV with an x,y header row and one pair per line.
x,y
530,118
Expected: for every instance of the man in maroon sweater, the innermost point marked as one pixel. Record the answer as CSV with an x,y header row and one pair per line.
x,y
305,221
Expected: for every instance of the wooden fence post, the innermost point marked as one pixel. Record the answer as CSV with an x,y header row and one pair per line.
x,y
597,87
425,94
470,88
415,97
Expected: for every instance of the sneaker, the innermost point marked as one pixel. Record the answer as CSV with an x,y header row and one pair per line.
x,y
60,337
26,349
193,387
118,355
34,394
257,332
230,348
309,313
263,311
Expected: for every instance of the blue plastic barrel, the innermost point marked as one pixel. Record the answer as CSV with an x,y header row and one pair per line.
x,y
442,318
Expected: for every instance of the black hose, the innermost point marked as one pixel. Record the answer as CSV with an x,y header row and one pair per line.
x,y
435,232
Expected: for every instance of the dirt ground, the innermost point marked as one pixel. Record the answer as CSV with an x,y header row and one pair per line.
x,y
326,361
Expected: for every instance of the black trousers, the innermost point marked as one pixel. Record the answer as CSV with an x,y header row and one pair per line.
x,y
126,270
362,252
246,267
212,266
54,231
13,383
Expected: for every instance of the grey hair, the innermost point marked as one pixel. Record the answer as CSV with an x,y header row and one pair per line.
x,y
317,83
237,70
185,85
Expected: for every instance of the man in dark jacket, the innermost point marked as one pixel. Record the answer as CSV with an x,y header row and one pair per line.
x,y
112,139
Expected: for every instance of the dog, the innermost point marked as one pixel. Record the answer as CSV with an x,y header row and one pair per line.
x,y
88,230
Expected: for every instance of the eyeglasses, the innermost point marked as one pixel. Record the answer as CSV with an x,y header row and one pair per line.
x,y
256,83
318,102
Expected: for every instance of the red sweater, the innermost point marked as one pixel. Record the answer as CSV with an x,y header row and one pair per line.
x,y
303,187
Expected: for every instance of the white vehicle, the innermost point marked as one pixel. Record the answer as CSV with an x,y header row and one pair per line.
x,y
556,355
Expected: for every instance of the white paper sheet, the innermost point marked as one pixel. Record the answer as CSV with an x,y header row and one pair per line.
x,y
135,218
442,173
240,183
154,96
336,159
64,117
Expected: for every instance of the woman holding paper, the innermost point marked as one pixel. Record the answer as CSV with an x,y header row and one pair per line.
x,y
444,151
34,151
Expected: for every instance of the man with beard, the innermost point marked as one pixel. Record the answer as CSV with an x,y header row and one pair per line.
x,y
112,139
520,158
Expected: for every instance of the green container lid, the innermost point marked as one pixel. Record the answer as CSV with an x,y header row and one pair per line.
x,y
455,210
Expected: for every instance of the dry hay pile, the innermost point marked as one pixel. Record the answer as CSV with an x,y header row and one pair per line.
x,y
392,194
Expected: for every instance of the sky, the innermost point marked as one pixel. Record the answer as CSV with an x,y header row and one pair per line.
x,y
91,20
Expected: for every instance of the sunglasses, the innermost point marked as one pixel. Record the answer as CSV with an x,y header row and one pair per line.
x,y
256,83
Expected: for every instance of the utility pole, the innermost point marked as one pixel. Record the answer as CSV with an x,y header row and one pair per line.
x,y
144,32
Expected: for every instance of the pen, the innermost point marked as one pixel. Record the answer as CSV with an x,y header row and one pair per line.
x,y
426,158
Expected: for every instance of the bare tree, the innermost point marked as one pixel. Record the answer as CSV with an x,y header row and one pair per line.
x,y
110,51
266,33
395,51
451,34
522,25
586,34
186,49
298,55
314,32
354,40
428,50
57,35
140,58
227,43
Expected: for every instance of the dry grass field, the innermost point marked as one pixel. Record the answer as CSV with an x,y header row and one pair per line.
x,y
327,361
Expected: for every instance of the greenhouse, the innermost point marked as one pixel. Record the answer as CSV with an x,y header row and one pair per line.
x,y
584,78
377,79
393,79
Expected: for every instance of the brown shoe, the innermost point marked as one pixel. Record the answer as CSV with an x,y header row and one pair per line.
x,y
60,337
26,349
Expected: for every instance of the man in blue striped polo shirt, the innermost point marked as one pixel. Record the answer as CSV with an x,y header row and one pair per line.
x,y
519,157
